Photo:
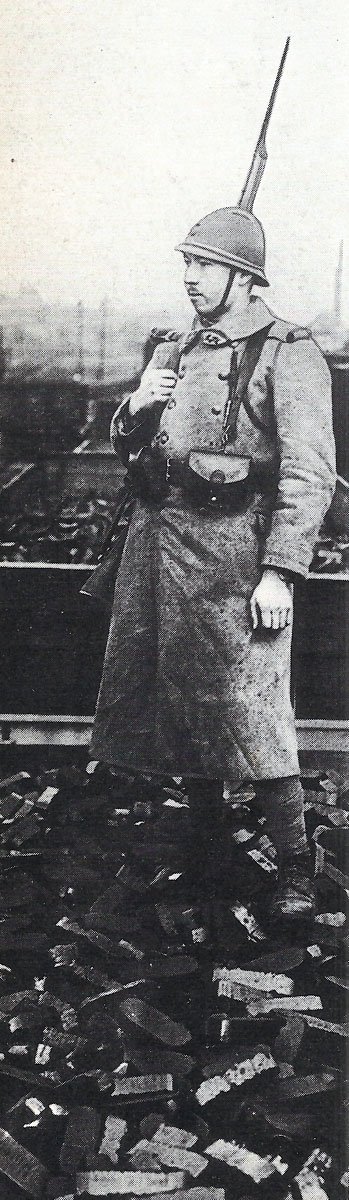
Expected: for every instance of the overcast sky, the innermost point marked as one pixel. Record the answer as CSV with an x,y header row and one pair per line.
x,y
124,121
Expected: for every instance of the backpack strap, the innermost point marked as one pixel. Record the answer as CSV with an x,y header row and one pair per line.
x,y
167,345
250,358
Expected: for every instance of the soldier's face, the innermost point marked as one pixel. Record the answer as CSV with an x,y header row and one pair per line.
x,y
205,283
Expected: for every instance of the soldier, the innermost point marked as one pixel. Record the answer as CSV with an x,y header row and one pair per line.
x,y
230,447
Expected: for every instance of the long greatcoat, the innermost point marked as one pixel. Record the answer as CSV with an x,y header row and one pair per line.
x,y
188,687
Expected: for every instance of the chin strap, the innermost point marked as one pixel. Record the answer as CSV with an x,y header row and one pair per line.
x,y
218,312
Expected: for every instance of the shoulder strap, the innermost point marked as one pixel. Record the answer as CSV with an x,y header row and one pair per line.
x,y
250,358
164,335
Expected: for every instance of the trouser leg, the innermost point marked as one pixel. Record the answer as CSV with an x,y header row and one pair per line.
x,y
205,798
283,805
205,803
282,801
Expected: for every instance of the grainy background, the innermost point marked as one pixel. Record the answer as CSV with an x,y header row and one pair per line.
x,y
123,121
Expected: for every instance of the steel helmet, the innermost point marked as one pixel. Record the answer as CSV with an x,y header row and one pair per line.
x,y
230,236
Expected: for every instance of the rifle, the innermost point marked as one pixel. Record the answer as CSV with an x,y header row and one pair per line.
x,y
258,164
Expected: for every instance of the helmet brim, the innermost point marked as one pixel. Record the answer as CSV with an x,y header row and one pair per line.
x,y
226,260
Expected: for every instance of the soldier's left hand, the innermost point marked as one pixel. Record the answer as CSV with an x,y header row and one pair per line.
x,y
271,602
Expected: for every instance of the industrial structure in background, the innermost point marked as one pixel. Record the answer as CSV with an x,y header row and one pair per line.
x,y
59,368
328,328
62,369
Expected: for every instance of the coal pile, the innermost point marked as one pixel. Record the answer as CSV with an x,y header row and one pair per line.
x,y
156,1039
331,555
70,531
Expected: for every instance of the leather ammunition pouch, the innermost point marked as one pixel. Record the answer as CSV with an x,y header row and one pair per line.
x,y
219,478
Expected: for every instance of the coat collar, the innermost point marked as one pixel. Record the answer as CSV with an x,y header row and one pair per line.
x,y
235,327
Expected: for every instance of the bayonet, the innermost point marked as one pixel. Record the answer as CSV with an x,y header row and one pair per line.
x,y
258,164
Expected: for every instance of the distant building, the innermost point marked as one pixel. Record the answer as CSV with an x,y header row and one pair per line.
x,y
328,328
330,333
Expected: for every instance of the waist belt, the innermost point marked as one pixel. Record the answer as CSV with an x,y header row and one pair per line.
x,y
208,477
219,479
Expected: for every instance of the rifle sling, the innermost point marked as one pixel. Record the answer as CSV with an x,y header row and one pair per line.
x,y
250,358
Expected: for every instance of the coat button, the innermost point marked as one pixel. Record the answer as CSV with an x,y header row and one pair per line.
x,y
164,438
216,411
181,372
172,403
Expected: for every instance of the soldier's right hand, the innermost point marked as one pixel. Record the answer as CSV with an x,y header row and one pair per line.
x,y
156,387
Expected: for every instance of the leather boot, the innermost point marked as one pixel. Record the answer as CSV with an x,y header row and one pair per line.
x,y
204,852
295,897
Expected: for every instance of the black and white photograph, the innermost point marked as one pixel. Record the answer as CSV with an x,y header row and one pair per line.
x,y
174,599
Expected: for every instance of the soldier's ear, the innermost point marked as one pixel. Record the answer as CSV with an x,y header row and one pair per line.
x,y
243,279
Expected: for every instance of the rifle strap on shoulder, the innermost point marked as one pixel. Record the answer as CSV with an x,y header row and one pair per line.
x,y
250,358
